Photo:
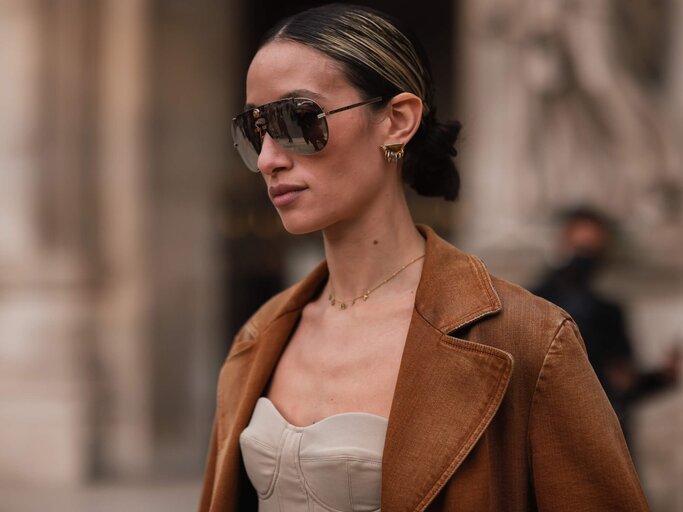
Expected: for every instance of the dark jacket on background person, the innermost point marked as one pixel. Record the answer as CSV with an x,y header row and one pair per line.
x,y
496,407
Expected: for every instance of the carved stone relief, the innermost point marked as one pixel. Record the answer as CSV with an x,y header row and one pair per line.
x,y
583,123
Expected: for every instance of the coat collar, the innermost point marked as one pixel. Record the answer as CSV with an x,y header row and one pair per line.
x,y
455,289
448,389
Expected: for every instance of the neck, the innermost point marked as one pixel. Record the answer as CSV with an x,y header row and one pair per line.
x,y
362,253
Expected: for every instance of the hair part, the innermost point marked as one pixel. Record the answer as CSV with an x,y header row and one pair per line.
x,y
381,58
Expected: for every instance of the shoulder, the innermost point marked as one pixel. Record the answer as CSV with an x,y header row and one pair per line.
x,y
520,305
526,326
461,296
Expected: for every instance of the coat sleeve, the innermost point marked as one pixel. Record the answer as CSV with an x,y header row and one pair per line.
x,y
578,456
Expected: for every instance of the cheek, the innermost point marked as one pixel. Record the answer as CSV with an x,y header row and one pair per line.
x,y
348,184
354,151
354,166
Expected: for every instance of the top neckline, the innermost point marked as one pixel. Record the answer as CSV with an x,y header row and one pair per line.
x,y
270,404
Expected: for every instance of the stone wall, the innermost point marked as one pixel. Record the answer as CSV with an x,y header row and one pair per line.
x,y
113,150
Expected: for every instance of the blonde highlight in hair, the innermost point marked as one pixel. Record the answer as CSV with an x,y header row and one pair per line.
x,y
380,46
363,36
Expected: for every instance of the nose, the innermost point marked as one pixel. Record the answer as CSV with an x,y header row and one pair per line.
x,y
273,157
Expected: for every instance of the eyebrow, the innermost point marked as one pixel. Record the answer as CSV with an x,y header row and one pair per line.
x,y
296,93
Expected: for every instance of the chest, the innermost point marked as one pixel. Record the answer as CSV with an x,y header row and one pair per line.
x,y
339,366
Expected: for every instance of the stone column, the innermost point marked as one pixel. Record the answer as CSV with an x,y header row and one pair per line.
x,y
193,80
164,143
124,419
114,140
494,120
45,282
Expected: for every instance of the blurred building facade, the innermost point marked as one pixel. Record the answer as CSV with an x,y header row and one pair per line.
x,y
114,142
132,242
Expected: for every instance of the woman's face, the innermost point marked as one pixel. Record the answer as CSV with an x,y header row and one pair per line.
x,y
335,185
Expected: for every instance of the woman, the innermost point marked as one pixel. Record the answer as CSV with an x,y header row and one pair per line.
x,y
387,374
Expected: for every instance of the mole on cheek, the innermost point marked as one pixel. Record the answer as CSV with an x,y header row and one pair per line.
x,y
375,242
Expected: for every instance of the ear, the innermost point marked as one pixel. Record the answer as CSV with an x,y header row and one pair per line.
x,y
404,115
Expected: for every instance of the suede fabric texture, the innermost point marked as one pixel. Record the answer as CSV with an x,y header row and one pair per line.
x,y
496,407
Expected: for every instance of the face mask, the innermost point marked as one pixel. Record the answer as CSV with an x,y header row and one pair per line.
x,y
581,267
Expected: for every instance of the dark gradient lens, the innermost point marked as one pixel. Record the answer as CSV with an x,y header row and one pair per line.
x,y
295,125
292,123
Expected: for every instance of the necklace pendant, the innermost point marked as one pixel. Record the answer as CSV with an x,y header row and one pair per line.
x,y
342,303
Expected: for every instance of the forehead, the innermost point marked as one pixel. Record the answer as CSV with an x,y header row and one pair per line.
x,y
283,66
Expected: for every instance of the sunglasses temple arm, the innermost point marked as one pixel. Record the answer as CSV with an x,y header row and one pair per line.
x,y
349,107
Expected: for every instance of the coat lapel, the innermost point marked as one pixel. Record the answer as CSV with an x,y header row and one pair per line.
x,y
448,389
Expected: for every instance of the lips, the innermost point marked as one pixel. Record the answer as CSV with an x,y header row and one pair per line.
x,y
284,194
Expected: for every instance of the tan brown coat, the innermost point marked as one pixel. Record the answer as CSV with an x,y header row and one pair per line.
x,y
496,407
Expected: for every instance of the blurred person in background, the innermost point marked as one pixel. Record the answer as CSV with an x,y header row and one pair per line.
x,y
584,246
399,373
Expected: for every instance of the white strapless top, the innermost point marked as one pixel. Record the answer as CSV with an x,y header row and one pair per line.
x,y
332,465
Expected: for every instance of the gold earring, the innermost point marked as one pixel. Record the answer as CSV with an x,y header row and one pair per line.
x,y
393,152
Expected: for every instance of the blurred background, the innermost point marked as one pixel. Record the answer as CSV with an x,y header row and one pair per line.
x,y
133,243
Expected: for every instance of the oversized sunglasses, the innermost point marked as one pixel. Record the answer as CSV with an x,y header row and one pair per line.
x,y
296,124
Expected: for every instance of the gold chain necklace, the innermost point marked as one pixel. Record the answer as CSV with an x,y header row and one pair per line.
x,y
343,303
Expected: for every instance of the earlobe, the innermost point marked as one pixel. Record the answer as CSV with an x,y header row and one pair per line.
x,y
405,116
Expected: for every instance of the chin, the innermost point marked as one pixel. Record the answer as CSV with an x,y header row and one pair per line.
x,y
296,225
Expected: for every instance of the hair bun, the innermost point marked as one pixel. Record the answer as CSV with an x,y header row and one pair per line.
x,y
428,166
